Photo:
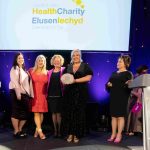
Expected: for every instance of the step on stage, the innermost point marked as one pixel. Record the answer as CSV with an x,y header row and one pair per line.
x,y
93,141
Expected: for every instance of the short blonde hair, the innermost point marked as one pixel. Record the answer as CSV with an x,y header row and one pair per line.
x,y
36,65
58,56
78,51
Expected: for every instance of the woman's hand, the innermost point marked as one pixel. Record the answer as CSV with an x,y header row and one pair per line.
x,y
109,84
138,101
84,79
19,97
128,82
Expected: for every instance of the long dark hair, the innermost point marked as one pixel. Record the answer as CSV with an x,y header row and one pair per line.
x,y
15,64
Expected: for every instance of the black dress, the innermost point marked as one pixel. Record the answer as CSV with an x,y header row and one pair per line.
x,y
119,93
55,93
76,96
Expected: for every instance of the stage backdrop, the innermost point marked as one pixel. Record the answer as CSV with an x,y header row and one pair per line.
x,y
102,25
102,64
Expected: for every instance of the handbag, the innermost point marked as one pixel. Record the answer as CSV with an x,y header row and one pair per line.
x,y
136,108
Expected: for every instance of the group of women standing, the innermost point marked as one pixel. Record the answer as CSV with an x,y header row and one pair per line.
x,y
67,102
46,91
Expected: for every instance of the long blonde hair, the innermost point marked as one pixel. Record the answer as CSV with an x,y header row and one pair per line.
x,y
36,65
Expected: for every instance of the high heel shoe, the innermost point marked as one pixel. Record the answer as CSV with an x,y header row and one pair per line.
x,y
16,135
70,138
23,134
59,135
55,134
41,134
118,139
131,134
111,139
36,133
75,139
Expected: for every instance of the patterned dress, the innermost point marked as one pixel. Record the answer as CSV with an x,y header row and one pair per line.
x,y
75,98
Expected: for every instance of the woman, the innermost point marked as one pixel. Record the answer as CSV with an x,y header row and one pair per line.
x,y
39,103
55,92
75,96
119,95
20,89
134,121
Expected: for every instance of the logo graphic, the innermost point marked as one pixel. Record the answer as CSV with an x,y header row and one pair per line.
x,y
79,3
60,15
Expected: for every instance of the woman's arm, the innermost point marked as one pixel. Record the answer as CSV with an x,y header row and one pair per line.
x,y
83,79
14,76
138,94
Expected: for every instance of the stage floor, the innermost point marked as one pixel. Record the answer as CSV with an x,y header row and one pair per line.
x,y
93,141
